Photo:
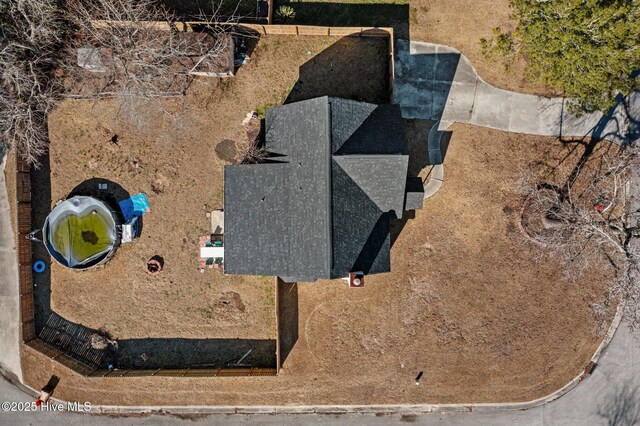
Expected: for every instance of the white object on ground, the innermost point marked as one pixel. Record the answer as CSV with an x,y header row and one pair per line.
x,y
211,252
217,222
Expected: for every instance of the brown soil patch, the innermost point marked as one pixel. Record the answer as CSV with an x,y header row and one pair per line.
x,y
467,303
143,148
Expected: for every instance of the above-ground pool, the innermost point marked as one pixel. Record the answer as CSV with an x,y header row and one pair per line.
x,y
80,232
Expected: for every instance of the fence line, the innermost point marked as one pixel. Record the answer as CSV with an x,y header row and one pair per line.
x,y
25,277
293,30
276,298
24,221
27,312
264,29
270,12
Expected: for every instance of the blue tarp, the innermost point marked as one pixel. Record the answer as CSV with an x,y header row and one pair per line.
x,y
134,206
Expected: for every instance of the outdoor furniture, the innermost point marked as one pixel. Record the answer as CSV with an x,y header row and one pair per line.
x,y
130,230
212,245
133,208
211,253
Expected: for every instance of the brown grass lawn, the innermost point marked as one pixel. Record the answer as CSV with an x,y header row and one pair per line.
x,y
174,162
467,303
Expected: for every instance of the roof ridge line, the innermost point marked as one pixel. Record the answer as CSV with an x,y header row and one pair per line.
x,y
329,151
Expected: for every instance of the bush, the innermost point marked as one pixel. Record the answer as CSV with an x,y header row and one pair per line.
x,y
285,14
588,49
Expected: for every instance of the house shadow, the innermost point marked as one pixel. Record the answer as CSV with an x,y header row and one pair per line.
x,y
287,317
346,14
353,67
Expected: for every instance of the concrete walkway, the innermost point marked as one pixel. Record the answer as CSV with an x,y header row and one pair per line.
x,y
9,297
437,82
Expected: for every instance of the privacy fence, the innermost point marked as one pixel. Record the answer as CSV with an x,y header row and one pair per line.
x,y
290,30
72,347
74,357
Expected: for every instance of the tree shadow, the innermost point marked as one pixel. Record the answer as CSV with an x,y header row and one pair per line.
x,y
620,124
621,407
222,10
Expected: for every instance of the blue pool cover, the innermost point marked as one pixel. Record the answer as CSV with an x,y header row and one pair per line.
x,y
136,205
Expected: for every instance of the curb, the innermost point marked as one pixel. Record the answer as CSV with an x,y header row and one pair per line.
x,y
350,409
436,174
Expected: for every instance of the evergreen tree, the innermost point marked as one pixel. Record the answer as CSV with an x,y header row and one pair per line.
x,y
589,49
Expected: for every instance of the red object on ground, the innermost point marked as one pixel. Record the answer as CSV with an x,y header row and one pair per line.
x,y
598,207
356,280
38,402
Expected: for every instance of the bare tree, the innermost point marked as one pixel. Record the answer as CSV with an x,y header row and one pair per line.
x,y
587,217
140,49
136,51
31,35
129,49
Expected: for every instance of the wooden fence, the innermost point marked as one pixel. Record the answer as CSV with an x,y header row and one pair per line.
x,y
24,221
66,358
292,30
23,211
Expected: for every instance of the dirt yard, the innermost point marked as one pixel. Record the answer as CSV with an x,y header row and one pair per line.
x,y
174,161
468,303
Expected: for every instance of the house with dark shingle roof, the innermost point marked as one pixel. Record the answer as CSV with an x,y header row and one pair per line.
x,y
321,205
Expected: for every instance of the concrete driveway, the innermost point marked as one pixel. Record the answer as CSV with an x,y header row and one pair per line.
x,y
436,82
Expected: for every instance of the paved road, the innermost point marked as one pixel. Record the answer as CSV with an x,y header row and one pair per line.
x,y
437,82
9,308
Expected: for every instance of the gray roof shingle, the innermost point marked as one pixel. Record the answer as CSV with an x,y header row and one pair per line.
x,y
381,177
323,210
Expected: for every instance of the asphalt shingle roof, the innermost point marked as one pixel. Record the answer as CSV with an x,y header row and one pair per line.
x,y
324,209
